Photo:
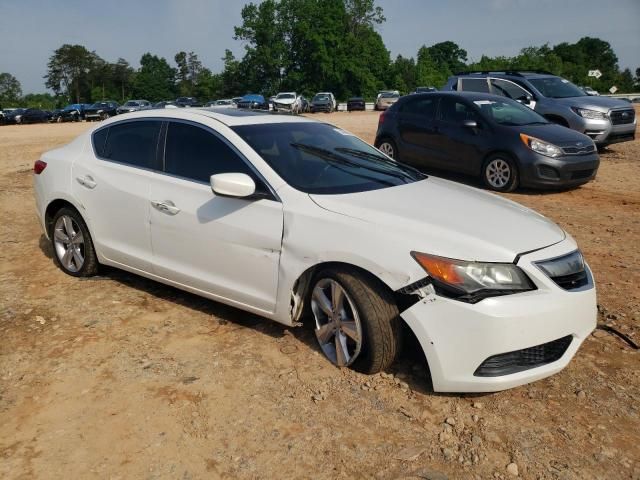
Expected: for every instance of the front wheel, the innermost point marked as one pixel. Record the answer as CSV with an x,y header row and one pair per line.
x,y
72,246
388,147
357,323
500,173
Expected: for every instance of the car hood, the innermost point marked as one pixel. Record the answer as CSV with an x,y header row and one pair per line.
x,y
285,101
449,219
593,102
553,133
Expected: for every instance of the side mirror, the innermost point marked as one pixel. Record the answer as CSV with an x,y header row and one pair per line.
x,y
470,124
525,99
238,185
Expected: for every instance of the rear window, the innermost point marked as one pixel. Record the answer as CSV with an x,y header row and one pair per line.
x,y
133,143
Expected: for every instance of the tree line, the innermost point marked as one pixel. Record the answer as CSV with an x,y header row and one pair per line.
x,y
305,46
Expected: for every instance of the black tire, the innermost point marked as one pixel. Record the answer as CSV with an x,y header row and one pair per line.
x,y
500,173
379,317
90,265
391,150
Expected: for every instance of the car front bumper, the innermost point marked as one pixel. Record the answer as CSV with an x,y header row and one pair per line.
x,y
603,132
540,171
321,107
457,337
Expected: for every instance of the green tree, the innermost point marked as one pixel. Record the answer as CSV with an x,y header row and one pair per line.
x,y
155,80
448,57
68,69
123,77
44,101
10,89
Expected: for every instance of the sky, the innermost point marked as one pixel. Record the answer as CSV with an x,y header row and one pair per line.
x,y
33,29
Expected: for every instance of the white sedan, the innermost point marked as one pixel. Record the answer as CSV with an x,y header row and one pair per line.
x,y
294,219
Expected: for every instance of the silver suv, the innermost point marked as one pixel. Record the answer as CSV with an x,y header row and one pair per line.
x,y
606,120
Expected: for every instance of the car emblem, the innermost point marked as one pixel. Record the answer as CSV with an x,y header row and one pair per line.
x,y
578,144
625,114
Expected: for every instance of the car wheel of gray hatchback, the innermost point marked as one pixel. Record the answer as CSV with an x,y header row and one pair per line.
x,y
500,173
388,148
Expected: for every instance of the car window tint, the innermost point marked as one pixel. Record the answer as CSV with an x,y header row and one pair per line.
x,y
99,140
133,143
474,85
454,111
507,89
421,106
195,153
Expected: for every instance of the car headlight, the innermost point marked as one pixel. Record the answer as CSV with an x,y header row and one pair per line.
x,y
590,114
472,281
542,147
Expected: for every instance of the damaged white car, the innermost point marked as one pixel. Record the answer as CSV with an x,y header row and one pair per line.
x,y
294,219
289,102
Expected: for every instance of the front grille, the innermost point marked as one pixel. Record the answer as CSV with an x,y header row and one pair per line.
x,y
622,117
579,150
525,359
578,174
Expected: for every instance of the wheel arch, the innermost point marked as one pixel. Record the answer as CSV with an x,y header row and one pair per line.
x,y
54,206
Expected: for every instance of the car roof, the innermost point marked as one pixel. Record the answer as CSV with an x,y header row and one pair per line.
x,y
467,95
228,116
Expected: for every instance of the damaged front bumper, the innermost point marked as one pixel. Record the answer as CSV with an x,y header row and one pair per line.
x,y
506,341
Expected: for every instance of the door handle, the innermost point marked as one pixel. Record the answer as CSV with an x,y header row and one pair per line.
x,y
87,181
165,206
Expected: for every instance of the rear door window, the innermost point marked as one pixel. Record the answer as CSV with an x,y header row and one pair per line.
x,y
425,107
507,89
196,154
480,85
133,143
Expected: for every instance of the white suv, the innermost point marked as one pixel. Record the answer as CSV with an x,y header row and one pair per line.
x,y
297,220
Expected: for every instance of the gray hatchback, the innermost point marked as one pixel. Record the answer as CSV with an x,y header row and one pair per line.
x,y
605,120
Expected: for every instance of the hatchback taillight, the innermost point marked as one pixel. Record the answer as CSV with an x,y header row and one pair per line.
x,y
39,167
381,118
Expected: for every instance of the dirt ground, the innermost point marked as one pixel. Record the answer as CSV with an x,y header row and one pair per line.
x,y
118,377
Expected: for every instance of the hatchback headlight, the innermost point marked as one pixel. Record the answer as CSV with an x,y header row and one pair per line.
x,y
472,281
590,114
540,146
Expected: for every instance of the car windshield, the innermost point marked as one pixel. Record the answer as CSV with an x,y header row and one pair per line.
x,y
131,103
322,159
509,112
99,105
556,87
319,98
285,95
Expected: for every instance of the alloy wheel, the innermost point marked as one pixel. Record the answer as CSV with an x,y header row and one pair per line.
x,y
387,149
338,328
68,241
498,173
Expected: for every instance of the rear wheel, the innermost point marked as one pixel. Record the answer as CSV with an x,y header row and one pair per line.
x,y
388,147
357,323
72,245
500,173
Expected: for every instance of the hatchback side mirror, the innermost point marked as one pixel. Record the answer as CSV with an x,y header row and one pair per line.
x,y
237,185
525,99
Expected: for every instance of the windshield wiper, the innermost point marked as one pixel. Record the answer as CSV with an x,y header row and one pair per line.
x,y
333,157
381,159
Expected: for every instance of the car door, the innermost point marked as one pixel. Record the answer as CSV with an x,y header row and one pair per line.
x,y
418,131
112,185
227,247
463,147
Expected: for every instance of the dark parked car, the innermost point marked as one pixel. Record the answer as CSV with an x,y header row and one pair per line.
x,y
425,90
14,115
493,137
165,104
134,106
71,113
101,110
187,102
322,102
32,115
355,103
254,102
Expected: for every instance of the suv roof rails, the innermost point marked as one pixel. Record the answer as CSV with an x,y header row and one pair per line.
x,y
517,73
